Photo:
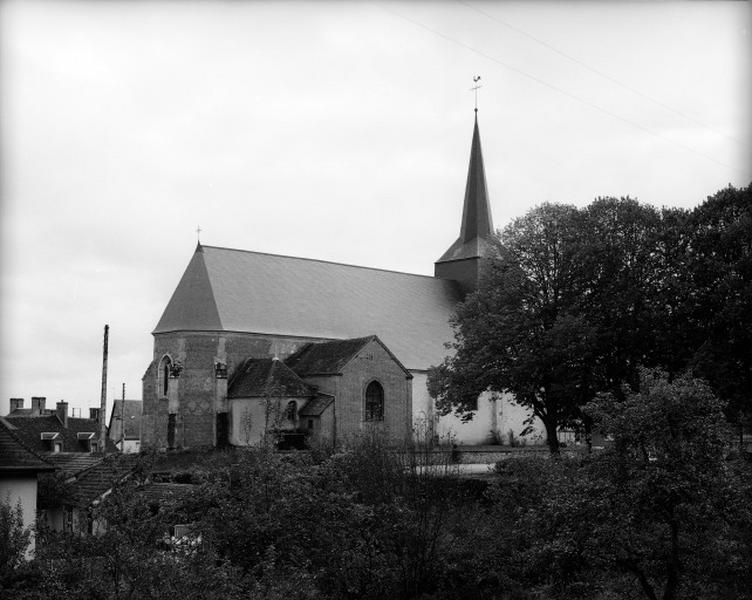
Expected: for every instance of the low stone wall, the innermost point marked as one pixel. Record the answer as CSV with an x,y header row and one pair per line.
x,y
478,454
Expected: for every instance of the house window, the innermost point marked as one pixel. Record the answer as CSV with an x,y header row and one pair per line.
x,y
310,423
291,414
374,402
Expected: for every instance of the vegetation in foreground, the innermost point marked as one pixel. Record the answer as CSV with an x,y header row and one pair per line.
x,y
664,513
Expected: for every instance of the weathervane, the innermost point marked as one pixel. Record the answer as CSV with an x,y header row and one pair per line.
x,y
475,89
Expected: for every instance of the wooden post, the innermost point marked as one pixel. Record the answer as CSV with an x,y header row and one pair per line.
x,y
103,403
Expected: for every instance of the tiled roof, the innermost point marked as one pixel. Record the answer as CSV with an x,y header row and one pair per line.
x,y
265,377
71,463
325,358
315,407
94,482
241,291
30,429
17,456
21,412
128,412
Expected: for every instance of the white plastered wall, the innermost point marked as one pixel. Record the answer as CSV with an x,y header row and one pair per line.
x,y
24,490
497,414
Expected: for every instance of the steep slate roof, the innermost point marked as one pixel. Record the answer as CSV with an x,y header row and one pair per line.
x,y
476,212
130,413
29,429
241,291
262,377
15,455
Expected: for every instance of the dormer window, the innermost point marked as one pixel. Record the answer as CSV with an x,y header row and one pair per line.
x,y
88,441
52,441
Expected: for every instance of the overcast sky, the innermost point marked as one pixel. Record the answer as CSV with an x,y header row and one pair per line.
x,y
338,131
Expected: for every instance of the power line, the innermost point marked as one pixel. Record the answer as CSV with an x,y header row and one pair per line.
x,y
600,73
558,89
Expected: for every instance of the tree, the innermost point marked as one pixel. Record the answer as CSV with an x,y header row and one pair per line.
x,y
667,484
14,538
661,513
720,306
621,273
660,505
522,331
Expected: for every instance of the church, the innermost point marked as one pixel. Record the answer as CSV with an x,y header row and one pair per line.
x,y
255,346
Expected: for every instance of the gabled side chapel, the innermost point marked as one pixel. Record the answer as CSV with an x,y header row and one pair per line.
x,y
253,344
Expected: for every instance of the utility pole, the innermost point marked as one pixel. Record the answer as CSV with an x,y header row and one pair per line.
x,y
122,421
103,403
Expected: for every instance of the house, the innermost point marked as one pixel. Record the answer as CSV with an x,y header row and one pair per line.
x,y
53,431
235,306
125,425
81,490
20,468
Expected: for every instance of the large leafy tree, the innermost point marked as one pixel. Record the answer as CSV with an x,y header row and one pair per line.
x,y
523,332
622,271
719,307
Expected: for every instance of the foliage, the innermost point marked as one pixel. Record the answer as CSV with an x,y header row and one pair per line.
x,y
14,539
659,514
720,305
375,521
52,490
133,557
575,301
620,272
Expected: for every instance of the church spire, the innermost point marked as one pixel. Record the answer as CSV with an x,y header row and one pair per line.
x,y
476,213
462,260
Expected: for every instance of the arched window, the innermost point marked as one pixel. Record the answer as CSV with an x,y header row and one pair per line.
x,y
374,402
163,376
291,414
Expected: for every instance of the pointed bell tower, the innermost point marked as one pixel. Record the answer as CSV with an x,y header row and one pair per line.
x,y
461,261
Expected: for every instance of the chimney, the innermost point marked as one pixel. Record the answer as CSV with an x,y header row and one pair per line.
x,y
37,405
61,410
94,414
16,403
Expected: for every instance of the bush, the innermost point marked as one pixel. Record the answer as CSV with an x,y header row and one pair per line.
x,y
14,539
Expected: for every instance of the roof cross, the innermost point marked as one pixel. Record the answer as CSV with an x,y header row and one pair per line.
x,y
475,89
198,233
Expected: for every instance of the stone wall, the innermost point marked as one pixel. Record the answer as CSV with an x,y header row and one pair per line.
x,y
193,392
374,363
